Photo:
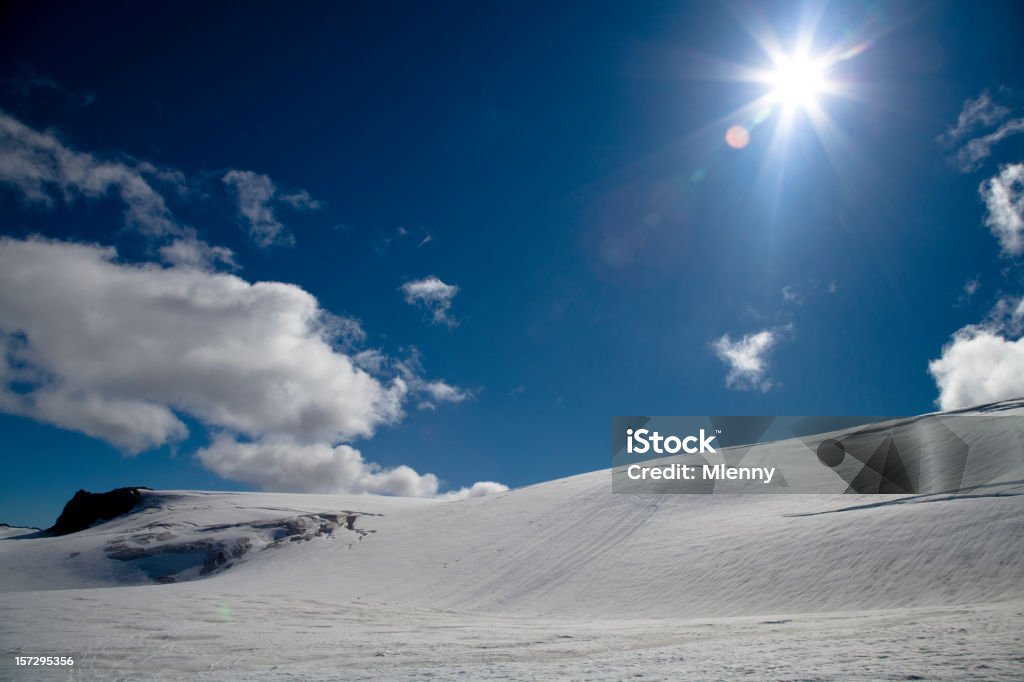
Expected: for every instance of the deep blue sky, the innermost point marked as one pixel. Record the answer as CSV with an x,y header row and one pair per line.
x,y
537,143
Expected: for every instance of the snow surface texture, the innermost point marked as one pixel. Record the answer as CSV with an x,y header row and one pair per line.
x,y
559,580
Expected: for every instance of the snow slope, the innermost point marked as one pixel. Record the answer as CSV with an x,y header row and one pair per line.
x,y
561,578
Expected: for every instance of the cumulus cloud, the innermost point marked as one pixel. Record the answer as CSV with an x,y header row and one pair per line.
x,y
125,352
747,358
45,170
478,489
1003,194
122,351
258,200
255,358
983,362
285,465
979,366
434,295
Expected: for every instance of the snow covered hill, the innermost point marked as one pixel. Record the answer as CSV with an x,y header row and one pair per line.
x,y
549,580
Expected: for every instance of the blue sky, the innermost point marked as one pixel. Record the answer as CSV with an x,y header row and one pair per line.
x,y
517,220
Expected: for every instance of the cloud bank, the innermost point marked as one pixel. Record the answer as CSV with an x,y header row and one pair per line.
x,y
255,358
282,464
122,352
126,352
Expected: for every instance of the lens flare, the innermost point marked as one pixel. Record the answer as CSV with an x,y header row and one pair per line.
x,y
737,137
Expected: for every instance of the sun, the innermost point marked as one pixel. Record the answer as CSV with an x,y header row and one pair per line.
x,y
797,81
797,85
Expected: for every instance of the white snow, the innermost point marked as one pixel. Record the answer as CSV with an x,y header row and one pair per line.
x,y
13,531
559,580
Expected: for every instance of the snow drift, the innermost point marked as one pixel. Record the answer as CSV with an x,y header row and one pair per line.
x,y
566,549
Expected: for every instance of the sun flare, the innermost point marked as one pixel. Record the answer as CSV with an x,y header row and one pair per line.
x,y
797,81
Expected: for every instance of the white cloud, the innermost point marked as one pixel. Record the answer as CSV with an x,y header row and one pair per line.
x,y
106,338
411,371
121,351
434,295
979,366
974,152
1004,198
44,170
285,465
191,252
747,358
1007,316
439,391
345,332
258,198
443,392
976,113
371,359
984,362
478,489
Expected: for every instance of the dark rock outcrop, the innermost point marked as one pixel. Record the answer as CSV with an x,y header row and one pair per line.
x,y
85,509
